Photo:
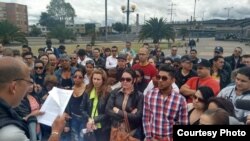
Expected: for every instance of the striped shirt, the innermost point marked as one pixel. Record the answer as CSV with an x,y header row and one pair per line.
x,y
160,114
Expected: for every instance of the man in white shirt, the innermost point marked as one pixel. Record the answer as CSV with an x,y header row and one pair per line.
x,y
111,61
82,57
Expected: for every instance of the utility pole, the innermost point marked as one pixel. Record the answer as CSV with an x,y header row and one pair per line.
x,y
106,21
194,9
228,11
171,11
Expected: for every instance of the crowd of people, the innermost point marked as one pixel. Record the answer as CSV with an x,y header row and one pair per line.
x,y
152,90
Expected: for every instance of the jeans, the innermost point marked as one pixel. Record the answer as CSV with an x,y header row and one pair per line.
x,y
77,124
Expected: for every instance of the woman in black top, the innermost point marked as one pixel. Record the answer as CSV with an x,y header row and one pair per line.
x,y
200,104
128,96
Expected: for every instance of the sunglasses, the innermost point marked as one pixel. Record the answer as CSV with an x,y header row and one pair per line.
x,y
126,79
194,97
163,78
76,76
40,68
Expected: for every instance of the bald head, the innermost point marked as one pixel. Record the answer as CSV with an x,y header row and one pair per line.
x,y
11,68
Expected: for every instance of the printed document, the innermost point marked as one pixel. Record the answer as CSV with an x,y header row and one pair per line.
x,y
54,105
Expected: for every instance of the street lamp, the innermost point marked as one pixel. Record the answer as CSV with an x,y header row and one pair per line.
x,y
228,11
128,10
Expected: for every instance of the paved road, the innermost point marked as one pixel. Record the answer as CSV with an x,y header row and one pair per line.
x,y
205,47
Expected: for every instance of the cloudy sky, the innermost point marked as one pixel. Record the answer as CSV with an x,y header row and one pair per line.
x,y
94,10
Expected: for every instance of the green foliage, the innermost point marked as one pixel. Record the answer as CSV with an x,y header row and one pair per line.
x,y
35,31
10,32
48,21
61,11
61,33
156,29
119,27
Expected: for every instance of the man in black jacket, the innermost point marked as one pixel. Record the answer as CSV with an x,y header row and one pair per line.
x,y
14,83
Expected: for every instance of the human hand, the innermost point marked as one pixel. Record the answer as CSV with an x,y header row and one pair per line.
x,y
90,125
248,120
36,113
115,109
59,123
134,111
37,88
66,129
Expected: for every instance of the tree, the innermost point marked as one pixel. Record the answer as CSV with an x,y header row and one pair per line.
x,y
156,29
61,33
61,11
10,32
183,32
119,27
170,34
48,21
35,31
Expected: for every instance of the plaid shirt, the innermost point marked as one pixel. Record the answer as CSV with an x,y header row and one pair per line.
x,y
160,114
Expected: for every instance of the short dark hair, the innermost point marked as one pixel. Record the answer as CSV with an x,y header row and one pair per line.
x,y
219,116
194,50
27,53
107,50
224,104
41,49
131,72
216,58
81,52
38,61
97,49
245,56
115,47
245,71
26,46
169,69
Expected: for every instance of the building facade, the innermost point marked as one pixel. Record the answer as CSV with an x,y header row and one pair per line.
x,y
16,14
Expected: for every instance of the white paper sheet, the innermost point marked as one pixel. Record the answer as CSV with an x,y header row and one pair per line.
x,y
54,105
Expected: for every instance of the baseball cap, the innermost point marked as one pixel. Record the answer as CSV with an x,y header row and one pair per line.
x,y
218,49
186,58
122,56
203,63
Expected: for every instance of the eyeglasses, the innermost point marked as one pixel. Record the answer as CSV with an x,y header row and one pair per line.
x,y
141,54
114,50
36,68
163,78
126,79
194,97
73,58
22,79
28,58
76,76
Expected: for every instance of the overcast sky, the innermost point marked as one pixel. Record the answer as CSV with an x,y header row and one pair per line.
x,y
94,10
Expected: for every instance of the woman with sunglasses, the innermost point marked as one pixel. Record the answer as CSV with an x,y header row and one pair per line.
x,y
93,106
77,121
199,105
126,101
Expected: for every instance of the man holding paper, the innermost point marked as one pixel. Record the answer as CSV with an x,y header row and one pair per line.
x,y
14,83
